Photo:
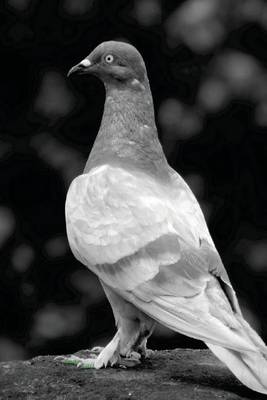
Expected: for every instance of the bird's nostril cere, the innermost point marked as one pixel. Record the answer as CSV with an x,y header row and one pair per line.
x,y
85,63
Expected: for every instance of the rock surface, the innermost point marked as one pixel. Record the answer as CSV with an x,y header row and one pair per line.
x,y
169,375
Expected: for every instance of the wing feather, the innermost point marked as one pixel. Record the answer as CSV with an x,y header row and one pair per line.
x,y
151,244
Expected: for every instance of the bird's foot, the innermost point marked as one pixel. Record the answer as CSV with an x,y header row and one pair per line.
x,y
147,353
94,361
97,349
144,352
132,359
96,358
103,359
78,361
100,357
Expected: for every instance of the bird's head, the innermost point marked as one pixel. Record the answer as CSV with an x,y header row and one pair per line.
x,y
115,63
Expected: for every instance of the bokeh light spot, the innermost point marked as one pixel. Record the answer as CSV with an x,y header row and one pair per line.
x,y
213,94
197,23
54,99
7,224
66,160
147,12
77,7
55,321
19,5
88,284
257,255
56,247
178,120
22,257
10,350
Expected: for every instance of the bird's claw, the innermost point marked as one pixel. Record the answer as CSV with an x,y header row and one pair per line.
x,y
148,353
97,349
78,361
67,360
87,363
132,359
93,360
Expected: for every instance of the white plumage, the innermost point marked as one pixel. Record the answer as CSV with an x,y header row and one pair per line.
x,y
134,222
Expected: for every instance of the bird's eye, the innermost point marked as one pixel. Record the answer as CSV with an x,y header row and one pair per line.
x,y
109,58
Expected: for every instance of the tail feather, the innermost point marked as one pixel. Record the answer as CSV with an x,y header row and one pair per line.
x,y
240,348
252,335
249,367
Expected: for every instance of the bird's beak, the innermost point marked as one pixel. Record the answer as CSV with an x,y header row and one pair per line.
x,y
81,68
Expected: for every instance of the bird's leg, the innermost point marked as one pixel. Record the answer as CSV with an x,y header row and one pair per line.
x,y
128,344
131,324
121,345
140,345
108,355
129,333
143,350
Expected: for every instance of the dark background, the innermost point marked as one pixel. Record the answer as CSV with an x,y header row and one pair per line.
x,y
206,61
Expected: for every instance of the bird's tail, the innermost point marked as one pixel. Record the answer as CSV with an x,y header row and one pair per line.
x,y
249,367
210,317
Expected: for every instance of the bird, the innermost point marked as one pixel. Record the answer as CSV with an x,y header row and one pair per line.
x,y
134,222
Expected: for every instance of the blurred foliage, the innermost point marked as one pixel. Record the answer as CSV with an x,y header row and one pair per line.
x,y
206,61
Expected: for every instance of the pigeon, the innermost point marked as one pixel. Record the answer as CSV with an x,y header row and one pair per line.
x,y
134,222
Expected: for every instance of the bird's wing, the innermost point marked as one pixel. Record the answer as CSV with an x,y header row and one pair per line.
x,y
145,241
114,216
188,209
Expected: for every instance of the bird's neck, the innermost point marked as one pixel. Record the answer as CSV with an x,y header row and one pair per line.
x,y
128,134
135,101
